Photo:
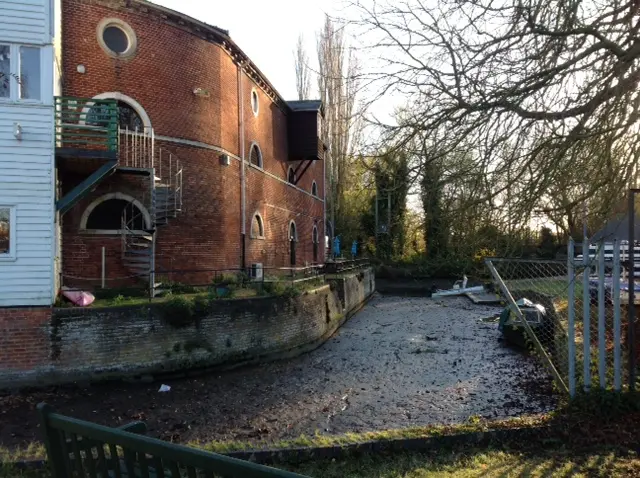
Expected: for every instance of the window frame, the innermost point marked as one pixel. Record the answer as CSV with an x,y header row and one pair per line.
x,y
261,231
314,189
293,238
12,255
291,174
256,109
126,29
15,65
112,232
257,146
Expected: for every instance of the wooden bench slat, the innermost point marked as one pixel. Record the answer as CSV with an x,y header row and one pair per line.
x,y
102,461
77,457
115,459
158,466
191,472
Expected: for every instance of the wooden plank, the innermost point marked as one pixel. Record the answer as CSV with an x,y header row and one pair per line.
x,y
77,456
115,459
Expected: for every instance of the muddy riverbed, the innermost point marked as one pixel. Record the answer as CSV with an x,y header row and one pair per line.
x,y
400,362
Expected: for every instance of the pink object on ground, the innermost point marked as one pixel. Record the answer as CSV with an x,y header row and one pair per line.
x,y
79,297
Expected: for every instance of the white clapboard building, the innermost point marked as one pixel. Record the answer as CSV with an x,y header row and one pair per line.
x,y
27,176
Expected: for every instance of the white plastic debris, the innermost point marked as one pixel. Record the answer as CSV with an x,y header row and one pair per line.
x,y
164,388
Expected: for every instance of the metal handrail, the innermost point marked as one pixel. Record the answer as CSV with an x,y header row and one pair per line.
x,y
86,123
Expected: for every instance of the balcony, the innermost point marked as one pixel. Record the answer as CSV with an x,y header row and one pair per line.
x,y
86,128
86,135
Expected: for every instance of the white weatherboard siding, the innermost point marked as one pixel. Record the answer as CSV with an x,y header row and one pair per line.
x,y
27,164
25,21
26,182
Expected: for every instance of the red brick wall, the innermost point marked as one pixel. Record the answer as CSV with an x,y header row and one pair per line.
x,y
24,341
169,63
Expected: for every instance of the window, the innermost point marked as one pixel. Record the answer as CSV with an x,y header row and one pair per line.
x,y
5,71
314,189
293,233
291,175
116,38
20,73
128,118
7,233
255,155
255,105
107,214
257,227
29,73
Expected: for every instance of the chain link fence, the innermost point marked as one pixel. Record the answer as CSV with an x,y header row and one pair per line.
x,y
570,312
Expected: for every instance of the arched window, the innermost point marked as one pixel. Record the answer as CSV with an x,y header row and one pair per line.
x,y
314,189
293,233
128,118
255,105
106,215
291,175
255,155
257,227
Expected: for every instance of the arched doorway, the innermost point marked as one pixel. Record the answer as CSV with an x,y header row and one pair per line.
x,y
293,238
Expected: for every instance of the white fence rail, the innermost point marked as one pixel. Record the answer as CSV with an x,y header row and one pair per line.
x,y
579,336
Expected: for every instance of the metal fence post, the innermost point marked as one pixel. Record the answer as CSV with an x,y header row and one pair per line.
x,y
571,306
532,335
616,316
632,289
601,322
586,317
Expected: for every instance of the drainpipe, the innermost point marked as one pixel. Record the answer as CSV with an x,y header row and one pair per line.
x,y
243,212
324,206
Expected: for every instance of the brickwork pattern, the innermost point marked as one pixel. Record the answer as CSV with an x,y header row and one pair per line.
x,y
170,62
74,344
24,338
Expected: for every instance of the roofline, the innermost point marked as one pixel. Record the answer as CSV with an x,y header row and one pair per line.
x,y
228,44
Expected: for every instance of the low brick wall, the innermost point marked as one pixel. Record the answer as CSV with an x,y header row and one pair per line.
x,y
115,342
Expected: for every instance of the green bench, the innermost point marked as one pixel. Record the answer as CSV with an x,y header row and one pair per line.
x,y
80,449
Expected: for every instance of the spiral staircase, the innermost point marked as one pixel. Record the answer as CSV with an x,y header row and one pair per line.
x,y
138,154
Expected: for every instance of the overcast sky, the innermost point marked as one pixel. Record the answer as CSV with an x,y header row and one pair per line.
x,y
267,31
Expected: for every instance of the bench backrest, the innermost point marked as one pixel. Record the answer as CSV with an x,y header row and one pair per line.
x,y
80,449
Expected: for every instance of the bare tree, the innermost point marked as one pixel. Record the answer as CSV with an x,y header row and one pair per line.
x,y
542,95
303,72
338,87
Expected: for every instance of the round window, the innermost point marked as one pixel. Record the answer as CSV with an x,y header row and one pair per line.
x,y
116,37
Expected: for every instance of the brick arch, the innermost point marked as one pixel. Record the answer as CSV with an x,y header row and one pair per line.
x,y
116,95
87,212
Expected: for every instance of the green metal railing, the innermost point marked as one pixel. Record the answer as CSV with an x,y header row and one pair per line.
x,y
86,123
81,449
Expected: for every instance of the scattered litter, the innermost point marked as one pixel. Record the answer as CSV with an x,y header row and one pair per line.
x,y
164,388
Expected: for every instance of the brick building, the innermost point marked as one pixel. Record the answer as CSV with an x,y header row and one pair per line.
x,y
177,152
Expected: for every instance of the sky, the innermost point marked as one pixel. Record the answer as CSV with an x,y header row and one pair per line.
x,y
267,31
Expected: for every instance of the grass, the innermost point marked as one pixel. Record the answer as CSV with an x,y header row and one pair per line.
x,y
454,464
477,463
320,440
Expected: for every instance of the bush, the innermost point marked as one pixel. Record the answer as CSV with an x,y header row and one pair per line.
x,y
281,289
178,312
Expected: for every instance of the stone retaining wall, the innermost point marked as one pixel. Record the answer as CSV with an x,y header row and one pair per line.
x,y
118,342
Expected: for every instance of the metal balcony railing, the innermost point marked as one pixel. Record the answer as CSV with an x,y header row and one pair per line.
x,y
86,124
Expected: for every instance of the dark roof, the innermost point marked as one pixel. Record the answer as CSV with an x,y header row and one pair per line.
x,y
305,105
617,228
